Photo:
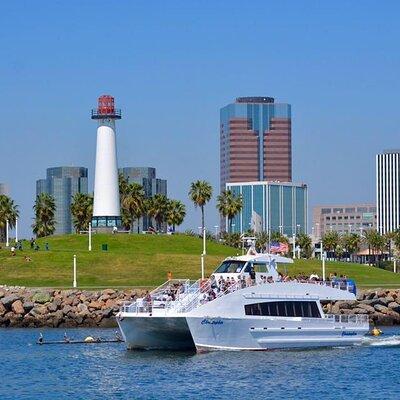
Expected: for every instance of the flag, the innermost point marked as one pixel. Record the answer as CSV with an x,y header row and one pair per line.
x,y
278,247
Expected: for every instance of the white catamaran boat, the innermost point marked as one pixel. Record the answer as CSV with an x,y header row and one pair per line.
x,y
248,311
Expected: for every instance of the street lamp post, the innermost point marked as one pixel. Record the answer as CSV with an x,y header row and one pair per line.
x,y
74,281
323,261
294,243
203,254
7,238
90,237
16,230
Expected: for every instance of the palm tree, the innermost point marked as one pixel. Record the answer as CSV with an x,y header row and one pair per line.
x,y
123,185
375,241
262,240
157,207
133,203
228,205
200,193
8,211
304,241
350,242
45,209
81,210
176,213
330,241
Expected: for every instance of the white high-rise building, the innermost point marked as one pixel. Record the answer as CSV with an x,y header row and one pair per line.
x,y
388,191
106,206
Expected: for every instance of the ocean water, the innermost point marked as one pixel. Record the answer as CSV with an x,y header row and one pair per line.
x,y
109,371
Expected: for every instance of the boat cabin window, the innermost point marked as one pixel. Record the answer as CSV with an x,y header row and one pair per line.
x,y
258,267
307,309
230,267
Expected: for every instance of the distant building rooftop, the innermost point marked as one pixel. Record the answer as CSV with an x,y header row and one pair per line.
x,y
255,99
391,151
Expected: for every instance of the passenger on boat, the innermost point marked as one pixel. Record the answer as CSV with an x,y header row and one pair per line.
x,y
314,277
148,301
252,275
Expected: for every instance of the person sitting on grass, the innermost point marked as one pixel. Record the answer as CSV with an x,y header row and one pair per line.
x,y
37,248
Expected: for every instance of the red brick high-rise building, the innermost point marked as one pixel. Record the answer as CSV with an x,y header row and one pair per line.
x,y
255,141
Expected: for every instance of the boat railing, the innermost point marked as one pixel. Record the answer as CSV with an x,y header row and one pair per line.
x,y
202,291
357,319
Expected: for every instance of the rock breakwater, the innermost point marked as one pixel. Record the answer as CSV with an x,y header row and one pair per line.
x,y
25,307
382,306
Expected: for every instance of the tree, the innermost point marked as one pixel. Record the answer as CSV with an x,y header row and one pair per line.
x,y
200,194
304,242
262,239
350,243
157,207
330,241
232,239
123,185
376,242
132,202
176,212
228,205
8,211
390,239
45,209
81,210
278,237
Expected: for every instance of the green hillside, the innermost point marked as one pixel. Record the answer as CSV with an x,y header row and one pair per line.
x,y
142,260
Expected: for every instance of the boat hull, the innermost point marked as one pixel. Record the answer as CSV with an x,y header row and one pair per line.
x,y
150,332
268,334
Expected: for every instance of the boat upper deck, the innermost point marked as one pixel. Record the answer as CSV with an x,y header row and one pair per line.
x,y
180,296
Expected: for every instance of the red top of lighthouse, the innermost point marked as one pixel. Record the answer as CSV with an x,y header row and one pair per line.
x,y
106,108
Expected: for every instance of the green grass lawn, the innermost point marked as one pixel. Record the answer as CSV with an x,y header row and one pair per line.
x,y
142,260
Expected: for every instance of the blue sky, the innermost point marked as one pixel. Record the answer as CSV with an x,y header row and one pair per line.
x,y
172,65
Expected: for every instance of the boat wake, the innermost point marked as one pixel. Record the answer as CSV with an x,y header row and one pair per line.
x,y
387,341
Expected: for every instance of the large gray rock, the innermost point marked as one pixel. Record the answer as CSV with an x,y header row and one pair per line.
x,y
66,309
366,307
8,300
28,305
394,306
359,310
52,307
82,307
382,309
38,310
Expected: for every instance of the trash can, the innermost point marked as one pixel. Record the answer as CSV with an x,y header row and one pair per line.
x,y
104,247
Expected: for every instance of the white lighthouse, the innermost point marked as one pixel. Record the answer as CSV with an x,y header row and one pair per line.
x,y
106,207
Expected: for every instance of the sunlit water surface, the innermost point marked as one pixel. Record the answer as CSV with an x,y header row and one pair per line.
x,y
109,371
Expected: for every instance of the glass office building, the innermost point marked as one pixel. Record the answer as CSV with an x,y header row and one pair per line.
x,y
270,207
145,176
63,183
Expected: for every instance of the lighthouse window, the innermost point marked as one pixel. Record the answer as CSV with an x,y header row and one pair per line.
x,y
307,309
